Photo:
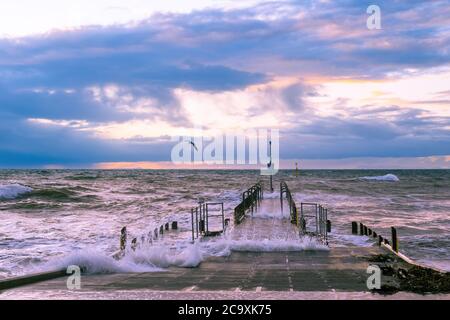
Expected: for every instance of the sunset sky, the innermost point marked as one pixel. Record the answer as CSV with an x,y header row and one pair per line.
x,y
107,85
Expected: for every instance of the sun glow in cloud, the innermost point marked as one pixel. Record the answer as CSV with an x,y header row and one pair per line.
x,y
423,89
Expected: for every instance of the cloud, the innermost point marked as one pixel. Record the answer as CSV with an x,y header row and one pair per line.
x,y
114,93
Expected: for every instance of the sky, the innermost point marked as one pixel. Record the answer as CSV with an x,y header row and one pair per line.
x,y
107,83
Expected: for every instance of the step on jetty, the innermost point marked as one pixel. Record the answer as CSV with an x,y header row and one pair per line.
x,y
318,270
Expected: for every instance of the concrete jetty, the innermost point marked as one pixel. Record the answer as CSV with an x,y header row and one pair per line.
x,y
322,272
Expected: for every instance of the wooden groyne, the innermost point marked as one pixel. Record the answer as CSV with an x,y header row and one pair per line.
x,y
391,245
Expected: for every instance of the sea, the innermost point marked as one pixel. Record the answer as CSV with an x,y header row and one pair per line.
x,y
54,218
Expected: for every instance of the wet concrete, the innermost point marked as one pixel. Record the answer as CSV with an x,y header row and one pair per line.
x,y
340,269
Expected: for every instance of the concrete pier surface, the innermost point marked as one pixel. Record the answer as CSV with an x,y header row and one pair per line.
x,y
328,273
336,274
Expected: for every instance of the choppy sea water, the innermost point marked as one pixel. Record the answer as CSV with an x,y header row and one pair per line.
x,y
52,218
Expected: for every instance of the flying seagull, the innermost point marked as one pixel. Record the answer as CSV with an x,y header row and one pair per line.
x,y
193,144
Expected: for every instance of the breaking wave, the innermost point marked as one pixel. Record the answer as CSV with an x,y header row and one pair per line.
x,y
11,191
148,259
158,258
386,177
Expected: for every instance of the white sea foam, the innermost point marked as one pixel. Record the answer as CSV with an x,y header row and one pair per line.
x,y
386,177
360,241
224,247
11,191
96,262
157,258
144,259
271,195
267,213
162,256
304,244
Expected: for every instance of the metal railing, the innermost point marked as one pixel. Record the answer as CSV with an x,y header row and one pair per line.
x,y
200,219
321,225
250,200
320,215
292,206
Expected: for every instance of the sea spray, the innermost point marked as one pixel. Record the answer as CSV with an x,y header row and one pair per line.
x,y
94,261
159,257
143,259
163,256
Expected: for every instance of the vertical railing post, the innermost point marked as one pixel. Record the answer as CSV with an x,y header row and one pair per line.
x,y
317,218
206,217
196,220
223,219
192,224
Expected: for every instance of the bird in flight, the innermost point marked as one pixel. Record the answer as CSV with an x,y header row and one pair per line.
x,y
193,144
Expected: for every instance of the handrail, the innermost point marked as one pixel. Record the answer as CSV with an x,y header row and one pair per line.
x,y
323,225
250,200
200,219
295,219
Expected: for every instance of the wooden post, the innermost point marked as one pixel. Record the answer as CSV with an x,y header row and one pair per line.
x,y
365,230
394,239
156,233
354,227
166,226
370,232
361,229
134,244
174,225
123,238
161,229
380,240
328,226
374,234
